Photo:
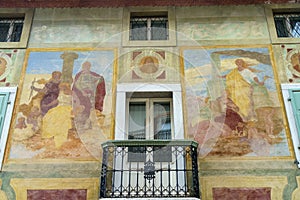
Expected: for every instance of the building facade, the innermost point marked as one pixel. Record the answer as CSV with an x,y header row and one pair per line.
x,y
150,100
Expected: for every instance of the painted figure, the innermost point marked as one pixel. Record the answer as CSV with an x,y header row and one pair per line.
x,y
50,93
149,66
58,120
239,86
88,93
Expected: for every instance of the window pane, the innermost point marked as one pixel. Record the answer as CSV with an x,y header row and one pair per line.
x,y
137,120
162,131
287,24
162,120
4,28
137,130
3,106
281,27
138,28
11,29
295,25
159,29
17,32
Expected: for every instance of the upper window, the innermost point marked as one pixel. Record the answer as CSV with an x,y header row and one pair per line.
x,y
15,27
287,24
11,29
149,27
283,23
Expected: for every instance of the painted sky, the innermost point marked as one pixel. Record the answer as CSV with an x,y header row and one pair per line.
x,y
46,62
199,60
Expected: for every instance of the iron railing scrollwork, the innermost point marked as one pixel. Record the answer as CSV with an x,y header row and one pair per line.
x,y
161,168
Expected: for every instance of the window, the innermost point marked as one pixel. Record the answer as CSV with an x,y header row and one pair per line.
x,y
15,27
11,29
287,24
291,98
150,119
149,27
149,111
135,92
7,98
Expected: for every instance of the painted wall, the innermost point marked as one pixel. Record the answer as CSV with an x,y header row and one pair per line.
x,y
237,119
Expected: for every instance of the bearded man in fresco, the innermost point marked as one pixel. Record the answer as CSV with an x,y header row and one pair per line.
x,y
88,93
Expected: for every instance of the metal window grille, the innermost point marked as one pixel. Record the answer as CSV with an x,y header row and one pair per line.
x,y
287,24
149,28
11,29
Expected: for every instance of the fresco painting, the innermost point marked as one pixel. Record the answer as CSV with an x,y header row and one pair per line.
x,y
8,68
291,53
233,107
65,108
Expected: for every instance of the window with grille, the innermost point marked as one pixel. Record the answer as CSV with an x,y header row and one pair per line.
x,y
148,27
11,29
287,24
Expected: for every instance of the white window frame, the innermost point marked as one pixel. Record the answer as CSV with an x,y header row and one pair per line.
x,y
121,106
28,16
284,8
290,116
7,120
171,41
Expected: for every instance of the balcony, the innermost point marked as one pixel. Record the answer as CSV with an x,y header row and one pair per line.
x,y
150,169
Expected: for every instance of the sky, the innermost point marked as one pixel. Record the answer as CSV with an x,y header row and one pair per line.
x,y
46,62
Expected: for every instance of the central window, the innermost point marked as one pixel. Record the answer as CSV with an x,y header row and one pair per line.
x,y
149,119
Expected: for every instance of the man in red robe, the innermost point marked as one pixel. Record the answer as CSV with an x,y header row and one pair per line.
x,y
88,93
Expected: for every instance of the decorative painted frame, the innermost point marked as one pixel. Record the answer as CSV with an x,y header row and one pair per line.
x,y
59,70
217,118
276,183
21,186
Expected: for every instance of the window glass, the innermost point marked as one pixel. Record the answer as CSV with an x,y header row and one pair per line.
x,y
3,107
287,25
162,120
150,118
138,28
149,28
7,99
159,29
11,29
137,120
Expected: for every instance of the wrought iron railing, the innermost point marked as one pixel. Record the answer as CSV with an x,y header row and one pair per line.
x,y
149,168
